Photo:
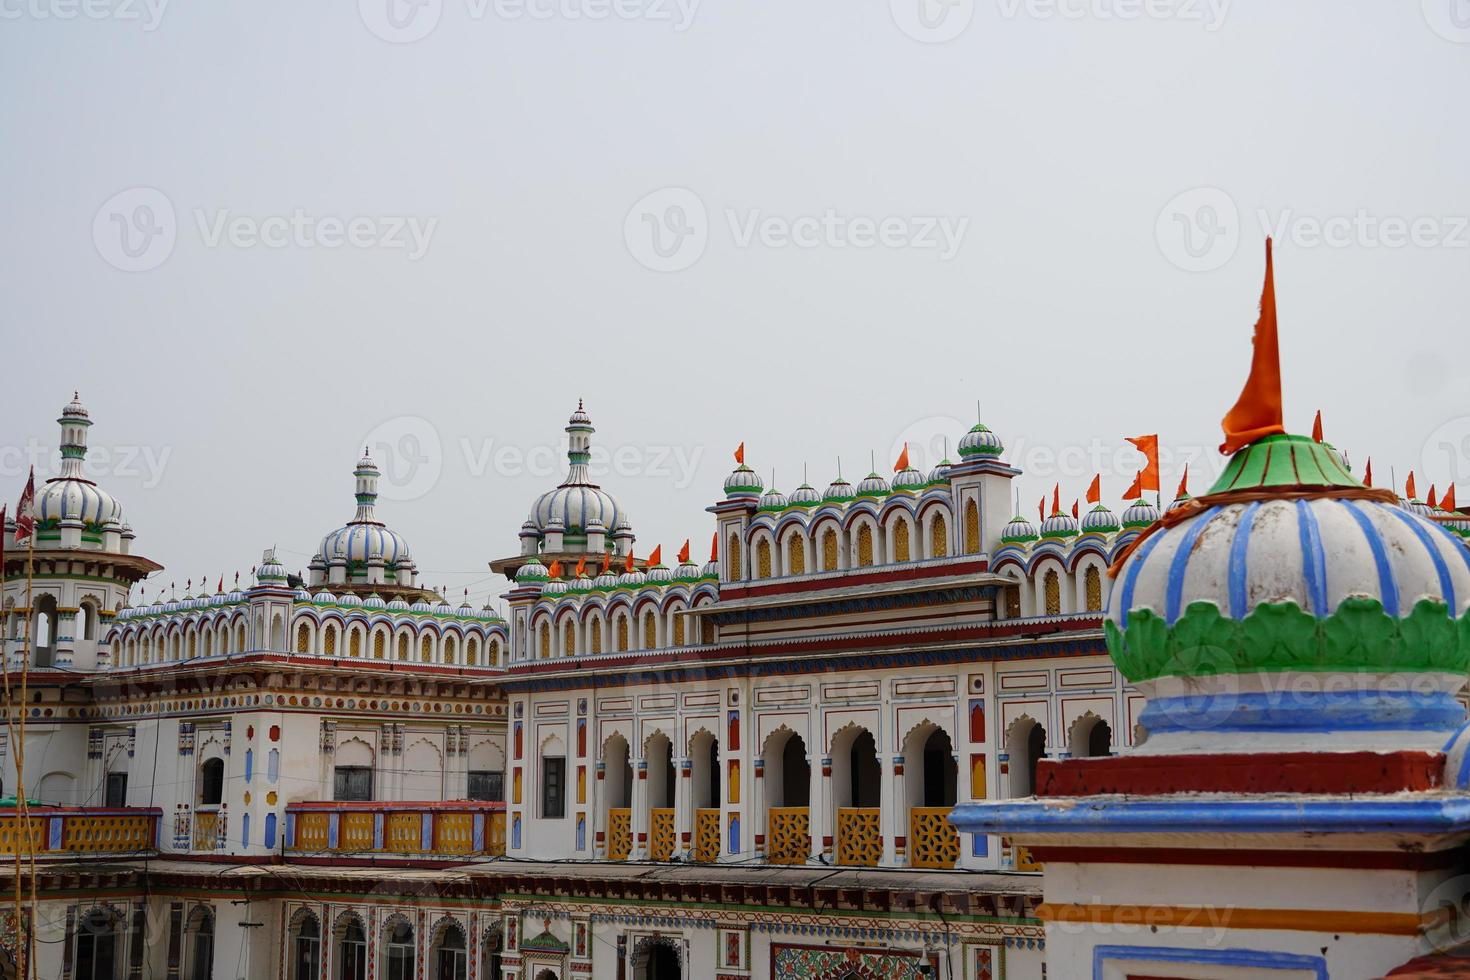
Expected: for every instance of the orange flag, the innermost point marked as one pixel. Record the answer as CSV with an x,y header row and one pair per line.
x,y
1433,499
555,570
1317,427
1076,510
1409,485
656,557
902,463
1149,446
1257,412
628,562
1368,473
1448,503
606,562
1094,492
581,566
740,453
1056,499
1135,490
714,546
684,553
1183,490
1041,508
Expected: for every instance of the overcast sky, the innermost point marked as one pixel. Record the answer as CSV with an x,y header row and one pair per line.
x,y
259,235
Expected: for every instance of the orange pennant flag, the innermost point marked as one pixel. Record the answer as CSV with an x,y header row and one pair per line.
x,y
684,553
1448,503
740,453
1257,413
1135,490
1041,508
581,566
1409,485
1056,499
1368,473
1317,427
606,562
1433,499
555,570
628,562
902,463
1183,490
1076,510
714,546
1094,492
1149,446
656,557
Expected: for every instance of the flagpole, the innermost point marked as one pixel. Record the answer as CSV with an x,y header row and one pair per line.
x,y
11,732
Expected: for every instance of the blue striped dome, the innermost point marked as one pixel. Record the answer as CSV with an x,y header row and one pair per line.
x,y
940,473
805,496
873,485
1018,531
76,499
577,502
1099,520
773,499
531,571
1313,552
1140,513
742,482
908,480
687,572
1059,526
838,491
660,575
980,441
365,538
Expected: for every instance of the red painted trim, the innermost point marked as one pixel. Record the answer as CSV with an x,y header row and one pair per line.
x,y
732,590
1275,772
1298,858
317,806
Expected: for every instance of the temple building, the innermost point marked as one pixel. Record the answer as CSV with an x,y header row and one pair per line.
x,y
885,729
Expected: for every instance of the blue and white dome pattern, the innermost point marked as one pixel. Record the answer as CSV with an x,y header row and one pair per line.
x,y
1140,513
980,441
77,499
838,490
873,485
940,473
1099,520
531,571
1017,530
743,481
805,496
1314,552
773,499
576,506
362,542
908,480
1059,526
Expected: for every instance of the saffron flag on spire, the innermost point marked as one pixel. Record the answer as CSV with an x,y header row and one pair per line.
x,y
581,566
628,562
1433,499
1317,427
1409,486
684,553
656,557
1135,489
1056,499
902,463
1041,508
1076,510
1368,473
25,521
555,570
714,546
1257,413
740,453
1183,490
606,562
1448,503
1149,446
1094,492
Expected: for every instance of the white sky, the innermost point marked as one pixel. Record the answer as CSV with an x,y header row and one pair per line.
x,y
1056,139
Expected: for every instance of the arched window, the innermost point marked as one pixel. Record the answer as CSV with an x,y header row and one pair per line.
x,y
352,951
763,558
901,540
451,961
450,649
398,956
1052,589
545,633
380,642
678,629
303,639
732,559
972,528
829,550
208,642
96,949
1026,743
426,648
472,652
938,537
650,630
622,632
329,640
795,555
354,643
595,644
200,945
87,620
402,646
211,782
1092,588
193,644
569,638
865,545
306,949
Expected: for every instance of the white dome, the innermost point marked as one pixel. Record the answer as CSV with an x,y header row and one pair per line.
x,y
873,485
366,538
1140,513
70,496
908,479
578,503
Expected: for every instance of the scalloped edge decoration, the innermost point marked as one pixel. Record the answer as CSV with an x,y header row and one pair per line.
x,y
1277,636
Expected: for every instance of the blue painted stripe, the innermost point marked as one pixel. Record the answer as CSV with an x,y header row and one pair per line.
x,y
1388,590
1444,815
1463,777
1441,568
1254,959
1239,546
1459,542
1450,743
1179,565
1318,711
1131,579
1314,559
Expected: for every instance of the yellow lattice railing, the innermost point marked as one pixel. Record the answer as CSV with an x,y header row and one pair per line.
x,y
402,833
454,833
355,831
933,841
31,840
788,835
206,830
707,836
92,834
661,834
619,834
495,833
859,836
312,831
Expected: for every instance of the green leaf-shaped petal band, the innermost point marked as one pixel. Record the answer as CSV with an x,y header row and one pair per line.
x,y
1358,637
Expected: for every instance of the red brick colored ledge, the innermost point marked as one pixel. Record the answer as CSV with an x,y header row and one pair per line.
x,y
848,578
1252,857
1276,772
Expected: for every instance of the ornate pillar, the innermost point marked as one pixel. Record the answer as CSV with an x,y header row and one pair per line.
x,y
900,820
757,812
824,812
684,808
640,811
